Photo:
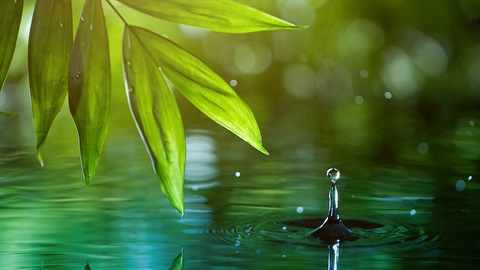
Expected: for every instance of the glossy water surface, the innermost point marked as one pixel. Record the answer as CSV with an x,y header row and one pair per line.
x,y
243,209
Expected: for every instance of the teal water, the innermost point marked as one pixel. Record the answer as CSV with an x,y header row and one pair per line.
x,y
242,208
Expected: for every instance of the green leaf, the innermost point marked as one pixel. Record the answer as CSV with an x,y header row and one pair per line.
x,y
177,263
217,15
156,114
203,87
89,86
10,17
49,47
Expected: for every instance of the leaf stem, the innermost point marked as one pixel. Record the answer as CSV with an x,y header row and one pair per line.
x,y
118,13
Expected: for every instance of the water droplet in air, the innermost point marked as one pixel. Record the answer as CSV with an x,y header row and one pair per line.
x,y
422,148
359,99
460,185
364,73
333,174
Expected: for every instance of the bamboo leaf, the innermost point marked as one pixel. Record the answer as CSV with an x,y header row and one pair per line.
x,y
89,85
156,115
178,262
49,47
217,15
202,86
10,17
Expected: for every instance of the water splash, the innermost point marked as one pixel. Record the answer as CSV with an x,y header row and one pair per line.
x,y
332,229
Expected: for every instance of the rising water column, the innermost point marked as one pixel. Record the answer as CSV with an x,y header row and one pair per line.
x,y
332,229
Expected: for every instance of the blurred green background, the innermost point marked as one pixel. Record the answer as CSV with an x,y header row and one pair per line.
x,y
366,72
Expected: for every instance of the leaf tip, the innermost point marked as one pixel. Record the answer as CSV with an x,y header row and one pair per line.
x,y
39,156
263,150
302,27
180,207
88,178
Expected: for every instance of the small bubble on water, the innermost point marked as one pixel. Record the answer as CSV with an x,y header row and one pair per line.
x,y
61,24
129,63
258,251
77,75
413,212
284,228
91,27
237,174
299,209
82,19
233,83
333,174
460,185
284,256
388,95
471,123
130,89
194,187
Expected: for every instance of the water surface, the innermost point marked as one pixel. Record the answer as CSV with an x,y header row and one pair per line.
x,y
242,208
